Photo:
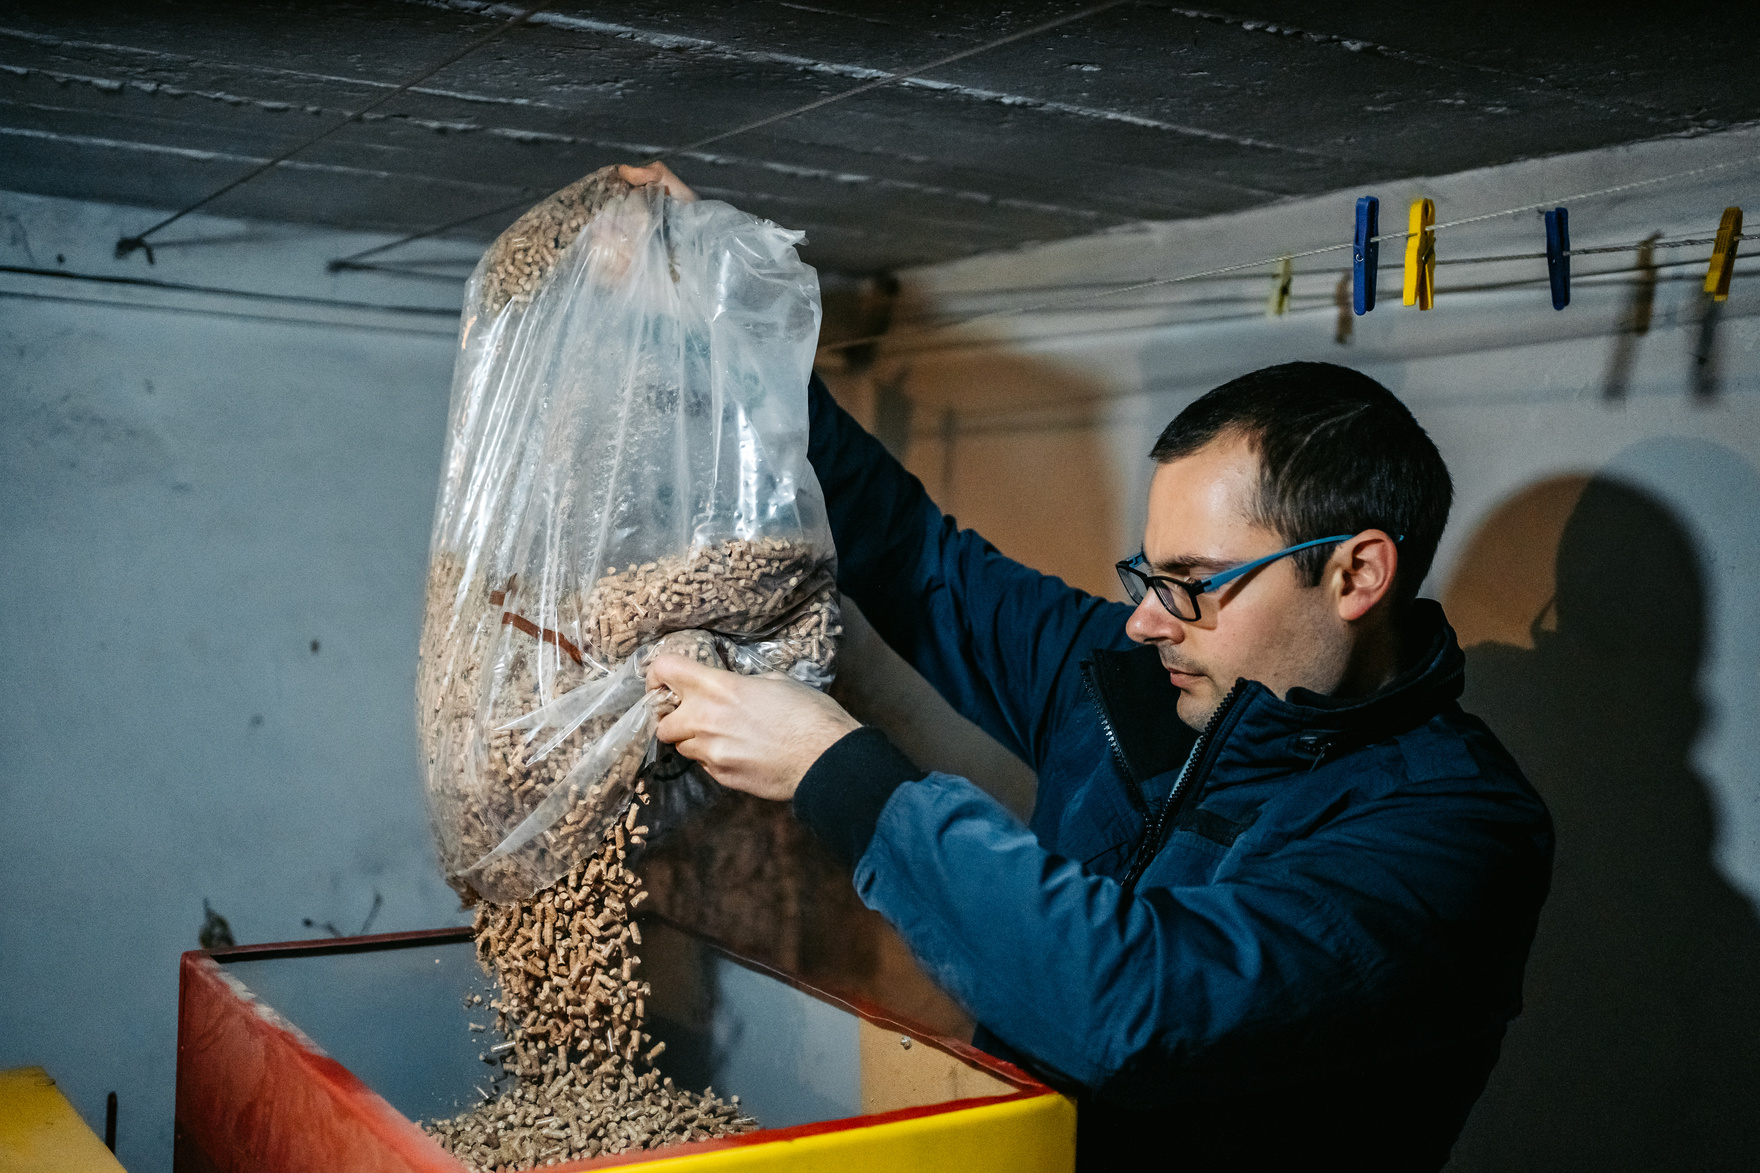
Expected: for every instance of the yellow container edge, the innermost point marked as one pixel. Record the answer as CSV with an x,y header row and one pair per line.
x,y
40,1132
1032,1135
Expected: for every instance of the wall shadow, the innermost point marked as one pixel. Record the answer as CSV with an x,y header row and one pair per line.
x,y
1639,1048
1015,445
1634,322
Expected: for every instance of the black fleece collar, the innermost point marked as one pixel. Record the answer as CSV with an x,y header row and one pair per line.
x,y
1267,733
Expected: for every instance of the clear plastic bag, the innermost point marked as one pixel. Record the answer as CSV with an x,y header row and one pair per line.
x,y
626,470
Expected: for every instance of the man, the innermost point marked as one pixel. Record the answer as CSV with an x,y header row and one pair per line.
x,y
1273,904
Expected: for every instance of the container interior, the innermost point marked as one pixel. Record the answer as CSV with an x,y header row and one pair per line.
x,y
399,1016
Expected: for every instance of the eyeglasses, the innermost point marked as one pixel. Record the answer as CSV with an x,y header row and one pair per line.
x,y
1181,597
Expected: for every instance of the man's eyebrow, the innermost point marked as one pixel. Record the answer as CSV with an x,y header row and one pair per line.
x,y
1188,564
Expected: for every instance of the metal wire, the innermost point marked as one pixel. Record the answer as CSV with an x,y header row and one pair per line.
x,y
222,291
138,242
1266,262
1309,302
352,260
901,75
1586,252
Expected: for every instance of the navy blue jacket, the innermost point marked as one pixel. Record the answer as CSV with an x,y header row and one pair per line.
x,y
1294,938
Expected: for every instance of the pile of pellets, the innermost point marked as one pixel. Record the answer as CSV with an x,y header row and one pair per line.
x,y
573,1012
523,256
772,590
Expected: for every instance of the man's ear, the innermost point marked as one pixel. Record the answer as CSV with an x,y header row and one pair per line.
x,y
1362,570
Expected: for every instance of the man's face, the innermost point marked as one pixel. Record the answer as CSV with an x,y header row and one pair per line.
x,y
1267,625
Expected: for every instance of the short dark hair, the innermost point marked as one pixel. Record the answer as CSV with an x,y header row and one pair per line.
x,y
1338,453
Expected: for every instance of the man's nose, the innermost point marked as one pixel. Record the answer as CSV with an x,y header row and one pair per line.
x,y
1152,621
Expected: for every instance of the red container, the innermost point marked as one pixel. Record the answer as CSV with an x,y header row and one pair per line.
x,y
277,1046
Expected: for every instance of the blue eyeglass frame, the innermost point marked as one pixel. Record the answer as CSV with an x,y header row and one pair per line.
x,y
1131,574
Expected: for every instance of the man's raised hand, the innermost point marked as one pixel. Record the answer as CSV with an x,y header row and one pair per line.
x,y
657,173
759,734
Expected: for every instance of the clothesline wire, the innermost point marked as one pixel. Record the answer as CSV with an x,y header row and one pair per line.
x,y
445,312
138,242
1585,252
348,262
1387,236
1265,262
1512,256
1316,302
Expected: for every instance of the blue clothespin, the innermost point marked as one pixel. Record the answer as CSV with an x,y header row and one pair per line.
x,y
1558,256
1366,255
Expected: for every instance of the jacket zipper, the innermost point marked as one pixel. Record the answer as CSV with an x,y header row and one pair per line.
x,y
1153,836
1124,767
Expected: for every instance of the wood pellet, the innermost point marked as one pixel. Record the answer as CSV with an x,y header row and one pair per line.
x,y
574,1011
523,256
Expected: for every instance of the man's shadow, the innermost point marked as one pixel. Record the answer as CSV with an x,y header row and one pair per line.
x,y
1639,1047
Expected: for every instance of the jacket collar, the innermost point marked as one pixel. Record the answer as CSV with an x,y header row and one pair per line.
x,y
1261,734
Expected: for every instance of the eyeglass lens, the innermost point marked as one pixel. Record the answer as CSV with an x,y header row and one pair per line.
x,y
1177,601
1134,585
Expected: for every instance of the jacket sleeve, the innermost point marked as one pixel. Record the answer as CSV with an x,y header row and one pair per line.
x,y
998,639
1283,971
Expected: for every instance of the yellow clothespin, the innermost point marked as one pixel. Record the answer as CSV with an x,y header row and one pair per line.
x,y
1277,304
1421,255
1723,255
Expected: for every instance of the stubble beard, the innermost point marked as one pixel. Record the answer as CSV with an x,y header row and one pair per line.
x,y
1195,709
1195,704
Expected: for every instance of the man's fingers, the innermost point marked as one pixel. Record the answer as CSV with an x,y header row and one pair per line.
x,y
758,734
677,728
702,694
678,673
657,173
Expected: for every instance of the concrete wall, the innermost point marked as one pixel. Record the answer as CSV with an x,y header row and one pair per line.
x,y
214,514
1602,563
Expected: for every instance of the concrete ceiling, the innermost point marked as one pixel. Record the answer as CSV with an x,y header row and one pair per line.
x,y
1144,111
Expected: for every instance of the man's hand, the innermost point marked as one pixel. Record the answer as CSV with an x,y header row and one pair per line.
x,y
759,734
657,173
